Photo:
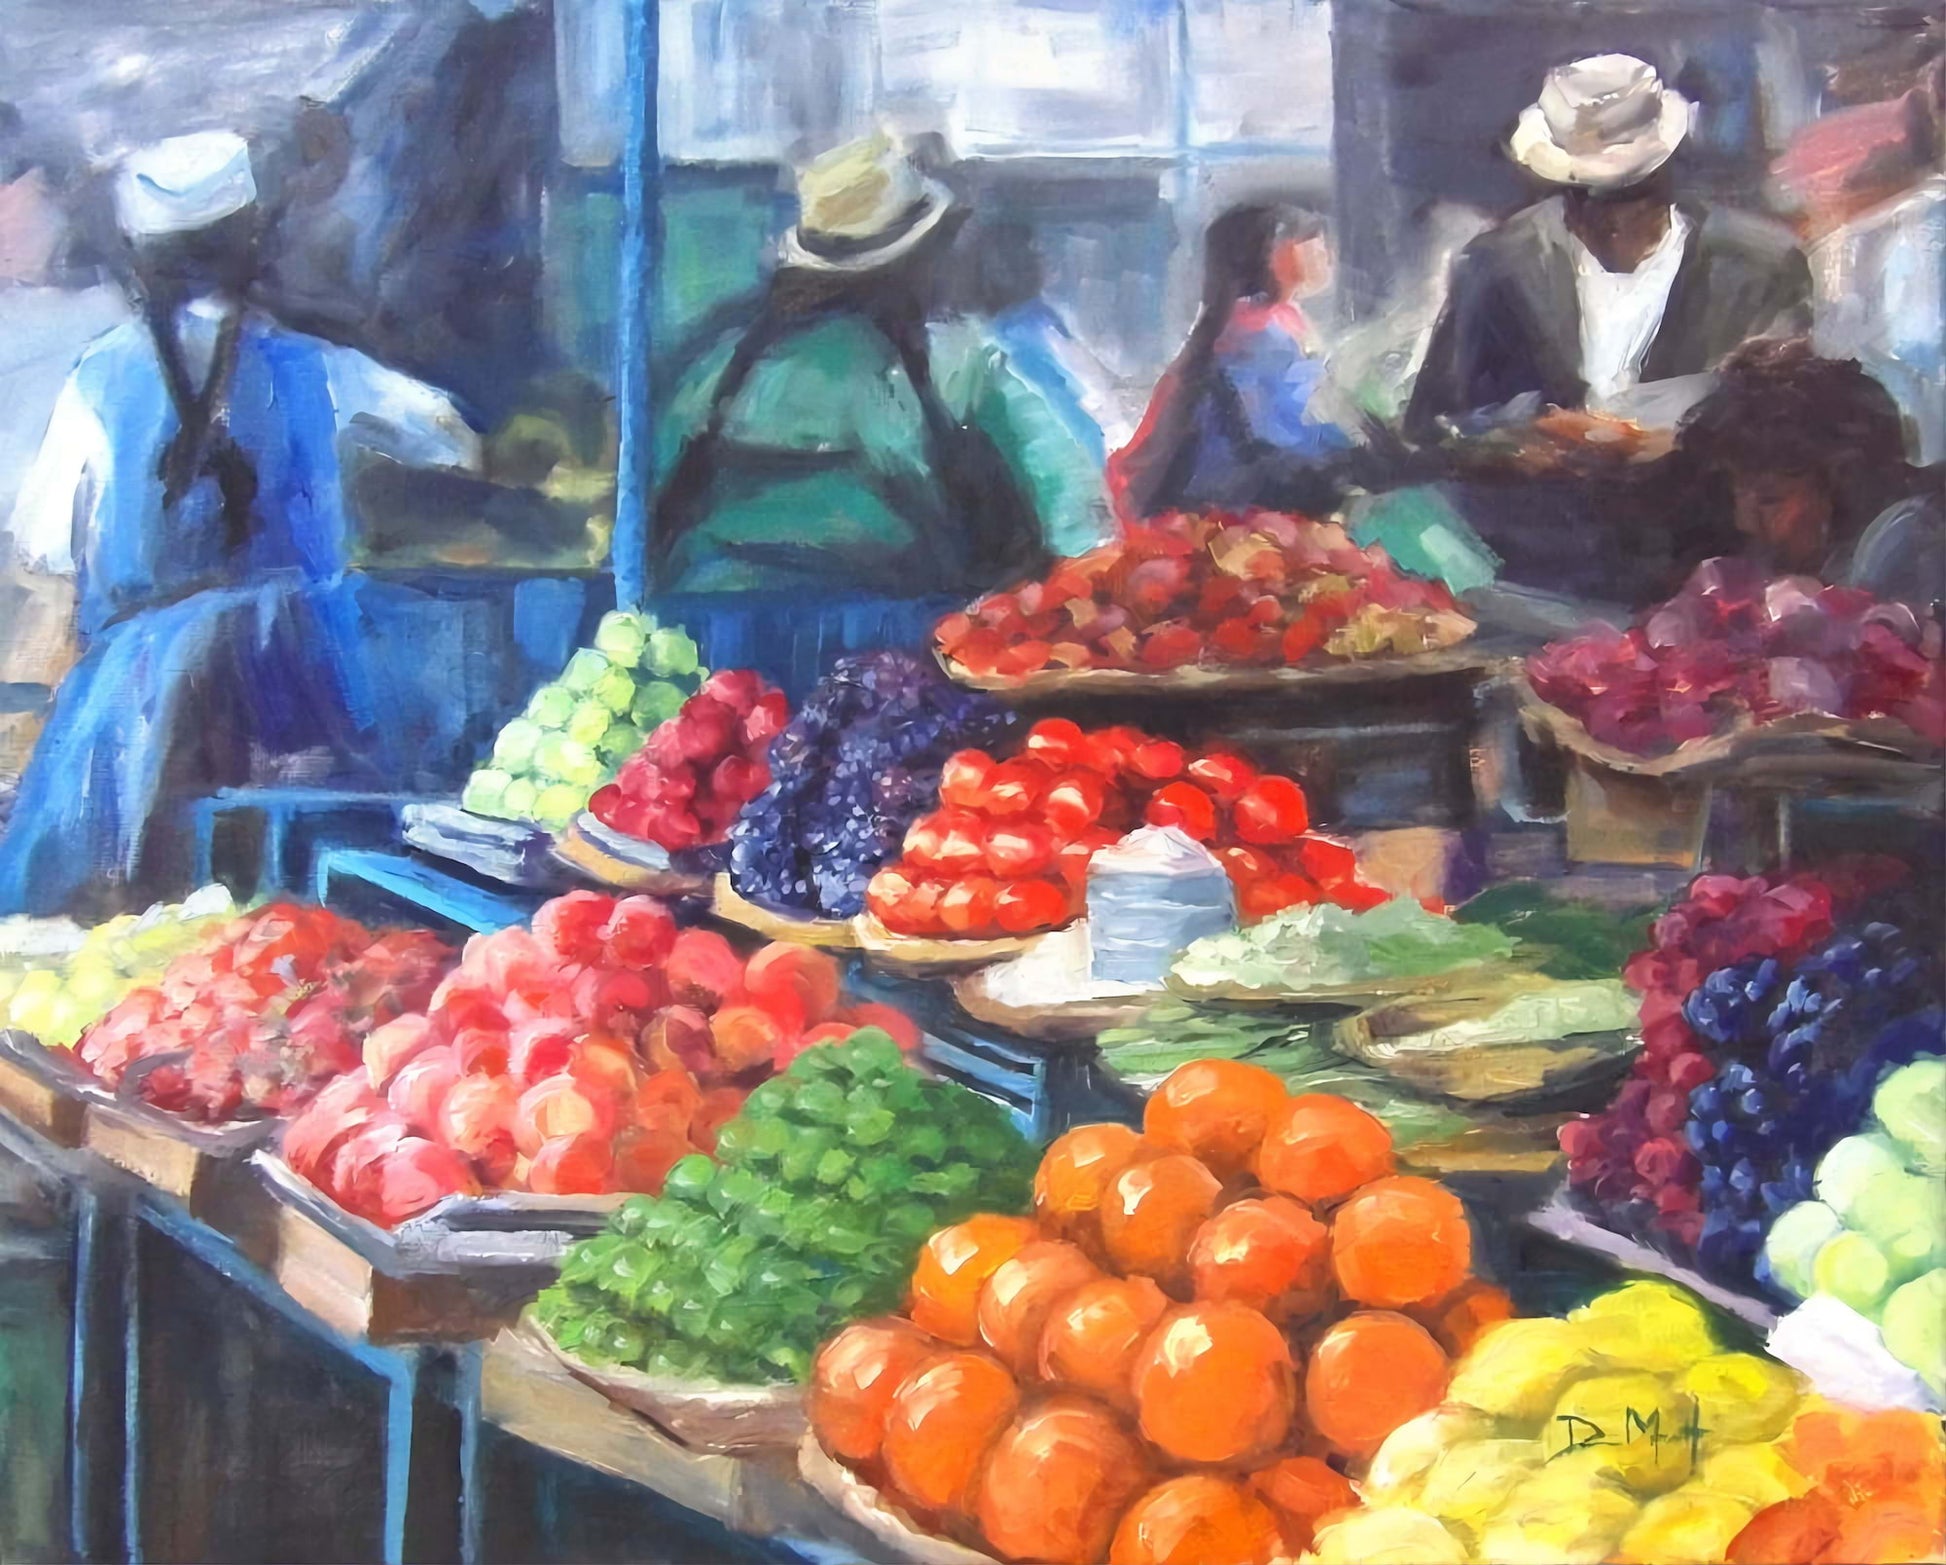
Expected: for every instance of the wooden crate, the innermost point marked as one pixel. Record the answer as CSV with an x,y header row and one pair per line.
x,y
1616,817
198,1165
36,1092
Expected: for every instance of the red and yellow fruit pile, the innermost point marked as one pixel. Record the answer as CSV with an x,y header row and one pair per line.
x,y
1174,1361
1007,851
256,1020
584,1056
1257,591
1875,1490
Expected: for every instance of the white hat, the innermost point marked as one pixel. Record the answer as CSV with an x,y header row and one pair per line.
x,y
184,183
862,205
1604,122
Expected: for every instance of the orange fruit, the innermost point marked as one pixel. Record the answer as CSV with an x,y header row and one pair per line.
x,y
1092,1336
1198,1519
1057,1481
1367,1375
1269,1253
1400,1241
1151,1213
1216,1110
945,1292
941,1423
1074,1176
1456,1319
1214,1383
1299,1490
1023,1291
856,1375
1320,1148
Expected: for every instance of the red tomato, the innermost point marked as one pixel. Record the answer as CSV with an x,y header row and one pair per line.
x,y
1186,807
1157,760
1274,894
1057,742
1071,863
1305,635
1023,906
1115,748
1270,811
1246,865
1328,863
923,837
1224,774
963,779
1074,802
1014,788
1017,848
966,906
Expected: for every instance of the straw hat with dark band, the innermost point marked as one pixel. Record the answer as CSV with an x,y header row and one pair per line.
x,y
861,206
1605,123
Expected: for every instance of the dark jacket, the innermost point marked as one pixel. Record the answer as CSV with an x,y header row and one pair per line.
x,y
1512,325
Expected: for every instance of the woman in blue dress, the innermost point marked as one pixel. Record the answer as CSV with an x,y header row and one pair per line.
x,y
190,482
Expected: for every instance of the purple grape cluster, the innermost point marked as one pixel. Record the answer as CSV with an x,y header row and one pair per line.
x,y
856,766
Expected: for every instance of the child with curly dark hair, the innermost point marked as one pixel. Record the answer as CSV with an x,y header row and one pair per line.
x,y
1813,453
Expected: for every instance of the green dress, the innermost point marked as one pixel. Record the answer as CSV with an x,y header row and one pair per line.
x,y
823,478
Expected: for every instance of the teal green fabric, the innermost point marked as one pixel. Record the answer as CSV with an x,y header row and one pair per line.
x,y
1424,535
825,450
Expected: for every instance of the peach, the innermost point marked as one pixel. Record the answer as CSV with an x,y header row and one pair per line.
x,y
678,1036
389,1047
345,1107
420,1088
704,970
746,1036
357,1169
560,1106
477,1121
784,973
572,1165
416,1175
540,1049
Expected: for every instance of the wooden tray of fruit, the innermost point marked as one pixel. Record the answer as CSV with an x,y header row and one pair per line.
x,y
871,1510
181,1157
718,1419
1227,681
922,956
514,853
43,1089
461,1270
623,863
1063,1009
829,934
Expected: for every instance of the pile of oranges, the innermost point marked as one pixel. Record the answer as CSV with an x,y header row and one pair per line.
x,y
1178,1358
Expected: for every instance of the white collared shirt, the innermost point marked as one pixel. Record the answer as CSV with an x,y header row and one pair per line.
x,y
1621,311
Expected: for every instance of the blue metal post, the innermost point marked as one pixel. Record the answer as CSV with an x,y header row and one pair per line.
x,y
87,1247
641,256
131,1281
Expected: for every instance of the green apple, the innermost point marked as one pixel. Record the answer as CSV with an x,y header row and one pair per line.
x,y
584,671
622,637
551,705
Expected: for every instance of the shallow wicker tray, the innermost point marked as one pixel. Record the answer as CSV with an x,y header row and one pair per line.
x,y
720,1419
829,934
623,863
1510,1075
1361,995
925,957
872,1511
1459,659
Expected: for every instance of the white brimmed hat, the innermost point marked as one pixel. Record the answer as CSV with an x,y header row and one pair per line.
x,y
1604,122
862,205
184,183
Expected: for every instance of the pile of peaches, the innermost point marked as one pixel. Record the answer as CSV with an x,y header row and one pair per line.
x,y
1181,1355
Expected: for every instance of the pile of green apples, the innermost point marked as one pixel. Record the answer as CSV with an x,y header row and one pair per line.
x,y
577,730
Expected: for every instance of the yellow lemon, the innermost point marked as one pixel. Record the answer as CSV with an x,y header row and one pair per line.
x,y
1691,1524
1411,1449
1741,1398
1758,1474
1653,1326
1570,1513
1471,1480
1394,1535
1518,1368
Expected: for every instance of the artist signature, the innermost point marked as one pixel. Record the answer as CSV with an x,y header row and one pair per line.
x,y
1581,1433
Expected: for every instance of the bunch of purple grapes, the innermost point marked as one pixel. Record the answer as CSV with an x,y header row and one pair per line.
x,y
1799,1055
857,765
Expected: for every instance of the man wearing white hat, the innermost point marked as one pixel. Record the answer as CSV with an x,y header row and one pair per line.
x,y
1609,290
189,486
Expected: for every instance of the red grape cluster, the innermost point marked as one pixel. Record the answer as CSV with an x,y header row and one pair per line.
x,y
1632,1158
685,787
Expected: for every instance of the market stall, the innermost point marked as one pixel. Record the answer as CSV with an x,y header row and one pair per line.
x,y
1094,1070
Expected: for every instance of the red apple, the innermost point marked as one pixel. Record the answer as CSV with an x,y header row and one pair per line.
x,y
678,1037
345,1107
389,1047
1017,848
1223,774
572,1165
1074,802
477,1121
746,1036
1186,807
416,1175
966,906
1271,811
540,1049
704,970
807,976
904,1031
560,1106
420,1088
1023,906
359,1166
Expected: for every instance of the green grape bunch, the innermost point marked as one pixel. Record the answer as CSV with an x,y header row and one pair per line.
x,y
812,1215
